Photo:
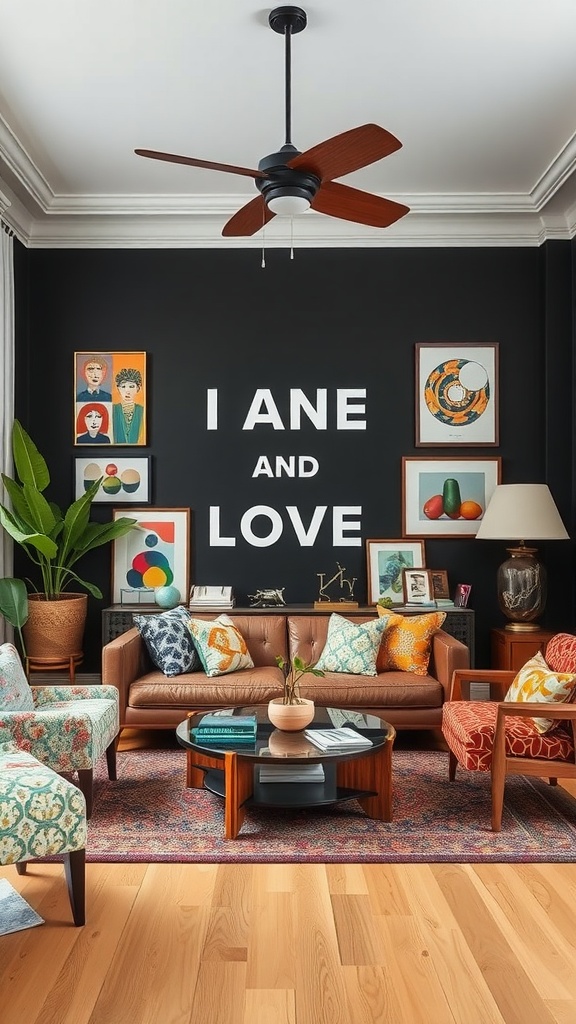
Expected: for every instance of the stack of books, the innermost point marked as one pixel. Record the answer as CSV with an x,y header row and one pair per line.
x,y
292,773
211,597
219,730
337,739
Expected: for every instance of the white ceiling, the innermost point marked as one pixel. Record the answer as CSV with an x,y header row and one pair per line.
x,y
481,94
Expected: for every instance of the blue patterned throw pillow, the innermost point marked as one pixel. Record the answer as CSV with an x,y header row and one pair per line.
x,y
169,641
352,647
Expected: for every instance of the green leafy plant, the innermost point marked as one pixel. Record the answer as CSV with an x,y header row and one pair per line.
x,y
293,673
14,605
53,540
385,602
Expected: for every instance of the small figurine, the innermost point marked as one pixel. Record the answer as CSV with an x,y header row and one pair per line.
x,y
271,598
339,579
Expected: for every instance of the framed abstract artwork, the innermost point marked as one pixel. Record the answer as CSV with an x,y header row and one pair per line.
x,y
109,398
446,497
154,554
385,561
124,480
456,394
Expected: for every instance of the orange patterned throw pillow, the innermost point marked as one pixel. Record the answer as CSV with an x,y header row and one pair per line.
x,y
561,653
535,682
220,645
406,643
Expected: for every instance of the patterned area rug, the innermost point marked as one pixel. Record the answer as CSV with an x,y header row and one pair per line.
x,y
149,815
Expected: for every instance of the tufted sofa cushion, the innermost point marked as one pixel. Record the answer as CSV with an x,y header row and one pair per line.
x,y
469,728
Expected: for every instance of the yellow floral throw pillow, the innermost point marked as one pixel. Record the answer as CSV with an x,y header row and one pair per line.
x,y
406,643
537,683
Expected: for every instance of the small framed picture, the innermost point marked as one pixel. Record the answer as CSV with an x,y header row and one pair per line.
x,y
446,497
385,561
124,480
461,595
156,553
456,394
440,588
417,586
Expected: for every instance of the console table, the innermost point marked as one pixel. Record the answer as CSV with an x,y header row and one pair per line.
x,y
459,622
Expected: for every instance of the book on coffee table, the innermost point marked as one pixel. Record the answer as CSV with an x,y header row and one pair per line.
x,y
337,739
292,773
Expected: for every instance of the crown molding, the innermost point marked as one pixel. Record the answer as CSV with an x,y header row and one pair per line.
x,y
42,219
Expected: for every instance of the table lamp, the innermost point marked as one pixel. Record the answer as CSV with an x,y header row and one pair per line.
x,y
519,511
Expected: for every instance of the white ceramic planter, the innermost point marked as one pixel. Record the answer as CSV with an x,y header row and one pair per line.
x,y
290,717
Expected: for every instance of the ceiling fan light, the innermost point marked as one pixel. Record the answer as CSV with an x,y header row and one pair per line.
x,y
288,205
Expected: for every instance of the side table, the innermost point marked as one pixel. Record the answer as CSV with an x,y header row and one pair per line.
x,y
511,650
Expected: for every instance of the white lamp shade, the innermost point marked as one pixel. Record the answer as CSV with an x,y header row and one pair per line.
x,y
521,512
288,205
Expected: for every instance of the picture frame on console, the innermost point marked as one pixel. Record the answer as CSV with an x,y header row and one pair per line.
x,y
155,554
385,560
440,587
457,401
447,497
126,480
417,586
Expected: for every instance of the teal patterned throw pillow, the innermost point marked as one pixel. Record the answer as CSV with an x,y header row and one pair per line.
x,y
352,647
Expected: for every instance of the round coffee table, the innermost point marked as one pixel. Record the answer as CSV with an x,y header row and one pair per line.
x,y
233,771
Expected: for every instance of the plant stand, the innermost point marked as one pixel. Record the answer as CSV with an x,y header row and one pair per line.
x,y
54,665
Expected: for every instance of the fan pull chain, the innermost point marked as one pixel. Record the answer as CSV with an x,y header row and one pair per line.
x,y
263,263
291,238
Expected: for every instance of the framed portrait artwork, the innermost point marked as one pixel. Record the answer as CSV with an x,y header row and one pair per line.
x,y
446,497
109,398
156,553
124,480
386,560
456,394
417,586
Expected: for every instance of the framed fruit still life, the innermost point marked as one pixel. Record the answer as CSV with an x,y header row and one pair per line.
x,y
446,497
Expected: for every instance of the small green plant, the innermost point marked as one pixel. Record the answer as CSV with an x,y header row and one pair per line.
x,y
14,605
53,540
385,602
293,672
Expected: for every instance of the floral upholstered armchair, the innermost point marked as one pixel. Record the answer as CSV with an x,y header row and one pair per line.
x,y
42,815
527,727
67,728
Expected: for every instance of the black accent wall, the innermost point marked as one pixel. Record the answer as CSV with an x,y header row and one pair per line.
x,y
334,318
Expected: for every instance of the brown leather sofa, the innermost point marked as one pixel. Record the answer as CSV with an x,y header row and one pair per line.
x,y
151,700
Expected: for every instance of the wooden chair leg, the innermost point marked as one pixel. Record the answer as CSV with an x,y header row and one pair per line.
x,y
75,870
111,759
452,765
553,782
21,866
85,783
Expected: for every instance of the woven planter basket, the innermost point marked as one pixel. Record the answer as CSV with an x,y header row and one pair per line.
x,y
55,629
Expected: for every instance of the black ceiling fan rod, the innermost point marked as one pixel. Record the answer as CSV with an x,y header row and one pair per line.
x,y
288,20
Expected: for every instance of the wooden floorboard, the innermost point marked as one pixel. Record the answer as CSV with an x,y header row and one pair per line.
x,y
296,944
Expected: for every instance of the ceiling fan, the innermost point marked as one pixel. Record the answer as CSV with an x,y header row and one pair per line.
x,y
290,181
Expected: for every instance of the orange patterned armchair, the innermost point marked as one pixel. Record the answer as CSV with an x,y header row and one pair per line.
x,y
534,734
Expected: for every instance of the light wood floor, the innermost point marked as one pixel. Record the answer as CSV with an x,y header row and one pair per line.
x,y
296,944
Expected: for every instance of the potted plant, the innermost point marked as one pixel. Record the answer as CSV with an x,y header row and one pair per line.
x,y
54,541
14,605
291,711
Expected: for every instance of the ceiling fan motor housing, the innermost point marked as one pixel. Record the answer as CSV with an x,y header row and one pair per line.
x,y
283,180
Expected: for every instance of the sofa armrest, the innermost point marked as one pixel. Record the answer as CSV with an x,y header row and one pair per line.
x,y
448,655
122,664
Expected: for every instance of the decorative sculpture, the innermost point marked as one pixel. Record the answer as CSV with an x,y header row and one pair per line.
x,y
338,579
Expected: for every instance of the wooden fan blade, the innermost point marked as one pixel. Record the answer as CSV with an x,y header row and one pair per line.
x,y
249,219
361,207
173,158
347,152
